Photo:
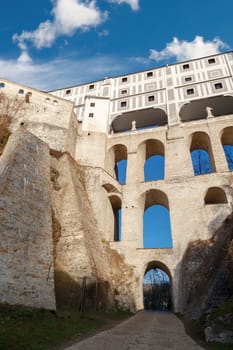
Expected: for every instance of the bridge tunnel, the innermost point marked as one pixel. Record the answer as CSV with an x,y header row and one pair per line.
x,y
157,287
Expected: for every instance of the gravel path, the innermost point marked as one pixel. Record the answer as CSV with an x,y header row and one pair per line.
x,y
144,331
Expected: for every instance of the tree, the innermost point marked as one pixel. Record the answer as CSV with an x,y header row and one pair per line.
x,y
10,106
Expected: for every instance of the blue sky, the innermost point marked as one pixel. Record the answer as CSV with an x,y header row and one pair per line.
x,y
50,44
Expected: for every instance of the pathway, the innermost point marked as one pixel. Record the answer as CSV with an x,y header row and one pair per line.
x,y
144,331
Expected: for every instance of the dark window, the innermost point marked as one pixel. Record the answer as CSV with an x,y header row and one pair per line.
x,y
123,92
124,80
190,91
123,104
188,79
91,115
211,60
218,86
68,92
21,91
91,87
2,85
150,74
186,66
92,104
151,98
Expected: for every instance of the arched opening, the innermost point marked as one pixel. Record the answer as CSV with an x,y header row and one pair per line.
x,y
157,287
116,209
198,109
215,195
117,162
227,143
156,221
201,154
143,118
154,160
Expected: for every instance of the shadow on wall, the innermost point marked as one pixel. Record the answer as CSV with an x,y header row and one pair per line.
x,y
83,295
206,272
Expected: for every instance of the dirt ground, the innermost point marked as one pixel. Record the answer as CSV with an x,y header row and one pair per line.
x,y
144,331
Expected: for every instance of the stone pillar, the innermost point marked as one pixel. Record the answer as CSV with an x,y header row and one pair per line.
x,y
131,175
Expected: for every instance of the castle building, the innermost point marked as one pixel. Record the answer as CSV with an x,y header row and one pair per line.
x,y
171,112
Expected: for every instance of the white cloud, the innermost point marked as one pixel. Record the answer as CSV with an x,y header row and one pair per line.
x,y
58,73
133,3
184,50
69,16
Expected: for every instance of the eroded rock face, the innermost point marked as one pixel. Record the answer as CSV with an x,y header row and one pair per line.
x,y
206,271
217,331
82,251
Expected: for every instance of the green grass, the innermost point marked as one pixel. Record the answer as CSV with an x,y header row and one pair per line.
x,y
25,328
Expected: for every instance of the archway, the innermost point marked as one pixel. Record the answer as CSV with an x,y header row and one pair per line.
x,y
201,154
197,109
152,153
117,162
157,287
156,221
227,143
215,195
144,118
116,210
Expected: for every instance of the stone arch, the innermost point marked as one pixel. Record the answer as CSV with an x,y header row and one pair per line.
x,y
201,153
110,188
227,144
156,223
215,195
116,204
145,118
166,302
117,154
195,110
151,156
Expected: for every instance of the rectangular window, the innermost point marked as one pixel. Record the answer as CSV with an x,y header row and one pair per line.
x,y
190,91
218,86
92,104
91,87
124,80
211,60
151,98
186,66
91,115
188,79
149,74
123,92
123,104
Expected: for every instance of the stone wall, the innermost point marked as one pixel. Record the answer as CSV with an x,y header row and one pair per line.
x,y
26,259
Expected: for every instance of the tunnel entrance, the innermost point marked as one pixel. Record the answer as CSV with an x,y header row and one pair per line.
x,y
157,288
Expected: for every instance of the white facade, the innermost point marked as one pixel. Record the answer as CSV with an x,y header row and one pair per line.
x,y
158,96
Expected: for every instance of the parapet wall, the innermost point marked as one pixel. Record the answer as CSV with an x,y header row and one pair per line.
x,y
26,259
50,118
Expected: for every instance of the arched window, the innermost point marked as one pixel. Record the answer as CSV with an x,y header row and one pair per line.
x,y
20,91
154,164
116,208
201,154
2,85
117,162
215,195
156,221
157,287
227,143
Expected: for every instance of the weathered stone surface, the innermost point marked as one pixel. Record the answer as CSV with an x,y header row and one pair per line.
x,y
26,258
